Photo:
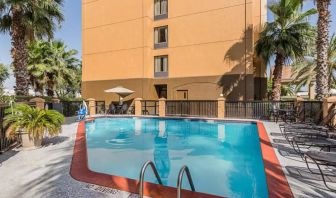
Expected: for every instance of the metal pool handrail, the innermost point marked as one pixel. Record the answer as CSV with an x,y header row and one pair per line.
x,y
142,176
180,180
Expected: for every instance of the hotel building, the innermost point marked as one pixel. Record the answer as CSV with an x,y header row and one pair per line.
x,y
177,49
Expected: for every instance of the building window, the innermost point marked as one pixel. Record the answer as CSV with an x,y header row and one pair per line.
x,y
161,66
161,37
160,9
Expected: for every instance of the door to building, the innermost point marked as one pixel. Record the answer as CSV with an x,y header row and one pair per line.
x,y
161,91
182,95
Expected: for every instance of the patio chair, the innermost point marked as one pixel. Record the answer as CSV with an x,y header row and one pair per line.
x,y
321,158
308,142
290,134
131,110
112,109
124,109
274,112
301,126
324,124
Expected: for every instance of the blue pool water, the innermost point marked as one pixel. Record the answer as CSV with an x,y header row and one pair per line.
x,y
224,157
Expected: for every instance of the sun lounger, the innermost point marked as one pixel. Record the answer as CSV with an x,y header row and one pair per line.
x,y
290,133
321,158
308,142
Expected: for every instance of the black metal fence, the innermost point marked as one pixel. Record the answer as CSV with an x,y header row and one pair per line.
x,y
70,108
194,108
254,109
310,111
305,111
150,107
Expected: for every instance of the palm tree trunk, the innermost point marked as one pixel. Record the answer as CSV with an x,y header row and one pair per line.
x,y
322,42
19,53
277,76
50,88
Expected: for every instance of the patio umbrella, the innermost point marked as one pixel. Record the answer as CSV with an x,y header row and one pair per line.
x,y
121,91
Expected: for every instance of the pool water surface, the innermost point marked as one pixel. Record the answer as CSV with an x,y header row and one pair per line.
x,y
224,158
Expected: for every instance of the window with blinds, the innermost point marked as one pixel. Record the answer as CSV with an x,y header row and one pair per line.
x,y
161,37
161,66
160,9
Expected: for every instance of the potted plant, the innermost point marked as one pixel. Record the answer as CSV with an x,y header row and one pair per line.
x,y
33,123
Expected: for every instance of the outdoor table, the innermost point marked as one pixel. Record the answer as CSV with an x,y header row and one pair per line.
x,y
285,113
118,109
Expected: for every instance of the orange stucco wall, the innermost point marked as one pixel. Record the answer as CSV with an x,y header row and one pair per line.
x,y
206,40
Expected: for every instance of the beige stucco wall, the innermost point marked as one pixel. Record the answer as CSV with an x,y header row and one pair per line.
x,y
207,39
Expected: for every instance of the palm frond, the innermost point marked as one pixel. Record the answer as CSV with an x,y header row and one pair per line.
x,y
36,122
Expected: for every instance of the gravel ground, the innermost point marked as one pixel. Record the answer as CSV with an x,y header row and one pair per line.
x,y
44,172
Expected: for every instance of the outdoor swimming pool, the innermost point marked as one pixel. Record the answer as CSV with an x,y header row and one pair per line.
x,y
224,158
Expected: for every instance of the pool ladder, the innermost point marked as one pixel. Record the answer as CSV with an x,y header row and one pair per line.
x,y
183,170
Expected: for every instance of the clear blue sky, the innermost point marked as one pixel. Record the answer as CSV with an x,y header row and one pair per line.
x,y
310,4
70,32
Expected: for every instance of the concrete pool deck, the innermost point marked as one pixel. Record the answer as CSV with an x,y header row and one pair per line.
x,y
44,172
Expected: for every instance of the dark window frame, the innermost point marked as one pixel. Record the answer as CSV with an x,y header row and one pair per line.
x,y
161,16
161,74
161,45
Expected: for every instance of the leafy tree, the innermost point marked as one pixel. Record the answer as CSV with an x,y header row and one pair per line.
x,y
287,37
305,71
286,90
27,20
4,74
54,68
36,122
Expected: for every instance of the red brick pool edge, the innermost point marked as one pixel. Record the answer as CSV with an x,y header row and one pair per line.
x,y
276,179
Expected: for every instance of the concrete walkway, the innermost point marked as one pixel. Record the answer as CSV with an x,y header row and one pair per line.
x,y
302,182
44,172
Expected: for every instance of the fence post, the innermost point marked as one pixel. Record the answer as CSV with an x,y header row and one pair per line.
x,y
92,106
137,106
329,106
39,102
162,107
221,108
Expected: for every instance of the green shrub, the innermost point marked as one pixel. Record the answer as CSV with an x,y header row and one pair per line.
x,y
34,121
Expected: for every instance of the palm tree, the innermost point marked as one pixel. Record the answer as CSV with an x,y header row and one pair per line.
x,y
322,41
286,89
27,20
3,74
33,122
287,37
39,61
65,68
305,71
52,67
